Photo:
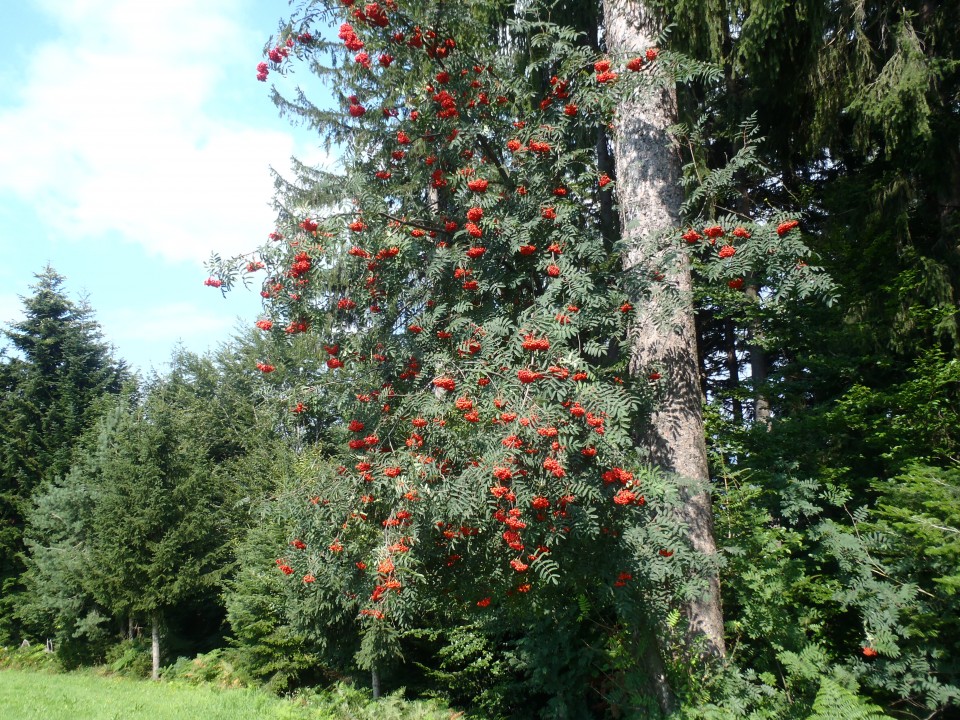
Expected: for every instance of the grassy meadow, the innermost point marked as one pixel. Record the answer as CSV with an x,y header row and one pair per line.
x,y
31,695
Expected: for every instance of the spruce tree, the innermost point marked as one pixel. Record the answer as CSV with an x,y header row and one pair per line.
x,y
858,105
146,520
158,524
55,371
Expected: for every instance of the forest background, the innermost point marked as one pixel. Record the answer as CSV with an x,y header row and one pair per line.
x,y
270,504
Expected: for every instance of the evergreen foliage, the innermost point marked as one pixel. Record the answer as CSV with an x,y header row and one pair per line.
x,y
147,520
54,372
858,107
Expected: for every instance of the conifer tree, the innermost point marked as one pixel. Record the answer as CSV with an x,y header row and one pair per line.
x,y
858,105
157,522
146,519
56,369
57,602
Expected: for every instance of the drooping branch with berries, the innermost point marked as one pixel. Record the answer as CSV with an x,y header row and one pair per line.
x,y
473,317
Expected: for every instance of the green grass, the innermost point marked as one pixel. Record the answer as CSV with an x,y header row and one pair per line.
x,y
27,695
39,696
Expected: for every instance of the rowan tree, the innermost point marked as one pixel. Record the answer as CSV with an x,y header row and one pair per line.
x,y
475,314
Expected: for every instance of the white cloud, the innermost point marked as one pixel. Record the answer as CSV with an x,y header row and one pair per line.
x,y
116,127
144,336
167,323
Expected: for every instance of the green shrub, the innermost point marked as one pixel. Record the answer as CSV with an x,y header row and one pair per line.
x,y
217,667
344,701
34,657
131,658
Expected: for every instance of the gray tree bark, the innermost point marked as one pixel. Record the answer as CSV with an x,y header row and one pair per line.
x,y
733,367
758,367
650,195
155,644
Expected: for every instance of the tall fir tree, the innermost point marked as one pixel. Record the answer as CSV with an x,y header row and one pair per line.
x,y
663,341
146,521
56,370
858,103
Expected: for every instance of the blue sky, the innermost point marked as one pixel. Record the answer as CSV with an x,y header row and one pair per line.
x,y
134,141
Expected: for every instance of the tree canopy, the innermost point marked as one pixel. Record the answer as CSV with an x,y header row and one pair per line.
x,y
55,370
612,372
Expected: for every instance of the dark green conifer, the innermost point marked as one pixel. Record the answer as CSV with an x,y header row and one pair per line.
x,y
54,372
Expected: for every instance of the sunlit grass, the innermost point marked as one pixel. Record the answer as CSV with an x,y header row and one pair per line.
x,y
31,695
39,696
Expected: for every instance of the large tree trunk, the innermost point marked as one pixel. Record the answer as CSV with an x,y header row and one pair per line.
x,y
650,195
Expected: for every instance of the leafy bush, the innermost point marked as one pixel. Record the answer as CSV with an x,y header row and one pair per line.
x,y
217,667
131,658
343,701
34,657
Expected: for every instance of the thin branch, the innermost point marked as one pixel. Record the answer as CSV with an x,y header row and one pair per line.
x,y
411,223
488,150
